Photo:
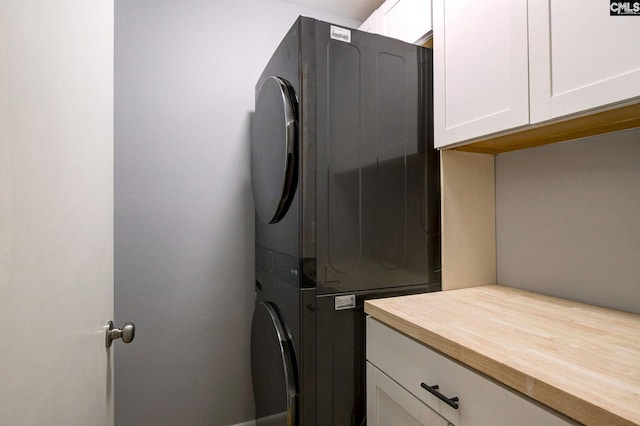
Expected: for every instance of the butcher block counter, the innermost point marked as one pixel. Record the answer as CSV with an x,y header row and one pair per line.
x,y
578,359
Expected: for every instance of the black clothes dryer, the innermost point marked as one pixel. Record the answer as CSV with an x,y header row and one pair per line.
x,y
346,188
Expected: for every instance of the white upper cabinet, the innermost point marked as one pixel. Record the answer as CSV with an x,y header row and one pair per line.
x,y
372,24
406,20
581,57
501,65
480,68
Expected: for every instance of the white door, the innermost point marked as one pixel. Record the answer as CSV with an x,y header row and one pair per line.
x,y
56,212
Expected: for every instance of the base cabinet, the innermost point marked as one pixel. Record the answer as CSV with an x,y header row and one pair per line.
x,y
397,366
389,404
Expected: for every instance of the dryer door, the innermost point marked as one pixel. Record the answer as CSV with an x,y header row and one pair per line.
x,y
274,149
272,369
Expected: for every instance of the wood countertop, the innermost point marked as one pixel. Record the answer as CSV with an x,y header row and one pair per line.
x,y
579,359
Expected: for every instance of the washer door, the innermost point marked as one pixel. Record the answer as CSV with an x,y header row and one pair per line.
x,y
272,369
274,144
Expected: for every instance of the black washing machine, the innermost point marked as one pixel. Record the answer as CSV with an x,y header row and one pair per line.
x,y
346,188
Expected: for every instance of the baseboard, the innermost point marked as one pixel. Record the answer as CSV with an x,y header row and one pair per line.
x,y
249,423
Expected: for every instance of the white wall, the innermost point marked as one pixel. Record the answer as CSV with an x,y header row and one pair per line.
x,y
185,72
568,219
56,212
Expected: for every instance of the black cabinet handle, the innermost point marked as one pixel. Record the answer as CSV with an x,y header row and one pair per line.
x,y
453,402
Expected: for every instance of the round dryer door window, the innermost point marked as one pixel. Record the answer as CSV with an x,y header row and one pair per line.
x,y
274,150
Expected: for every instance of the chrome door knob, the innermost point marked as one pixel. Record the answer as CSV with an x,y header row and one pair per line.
x,y
126,333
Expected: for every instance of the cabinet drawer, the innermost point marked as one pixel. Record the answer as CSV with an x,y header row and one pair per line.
x,y
481,400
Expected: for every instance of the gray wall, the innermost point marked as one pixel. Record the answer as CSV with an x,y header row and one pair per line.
x,y
568,219
185,72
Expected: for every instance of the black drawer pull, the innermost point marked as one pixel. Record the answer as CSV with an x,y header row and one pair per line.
x,y
453,402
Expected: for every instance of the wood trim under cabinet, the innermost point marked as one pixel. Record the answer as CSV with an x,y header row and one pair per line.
x,y
612,120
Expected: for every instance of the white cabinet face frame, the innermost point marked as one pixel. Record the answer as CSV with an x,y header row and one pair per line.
x,y
580,57
481,71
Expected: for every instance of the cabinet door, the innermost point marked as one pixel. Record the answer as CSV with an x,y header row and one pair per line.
x,y
580,57
407,20
389,404
481,82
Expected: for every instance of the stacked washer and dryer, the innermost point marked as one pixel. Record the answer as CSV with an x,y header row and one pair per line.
x,y
346,188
